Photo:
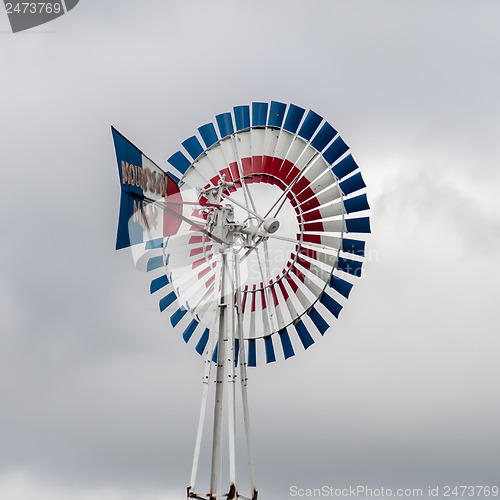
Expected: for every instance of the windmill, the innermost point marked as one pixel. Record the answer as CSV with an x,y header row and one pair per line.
x,y
254,237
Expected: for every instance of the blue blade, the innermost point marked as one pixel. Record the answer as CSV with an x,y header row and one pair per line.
x,y
155,263
153,244
208,134
356,204
188,332
236,351
276,114
342,286
353,246
177,316
323,137
352,184
360,225
304,335
193,147
336,149
252,353
259,114
216,352
242,117
331,304
179,161
293,118
167,300
202,343
270,356
311,123
158,283
225,123
318,320
286,344
350,266
344,167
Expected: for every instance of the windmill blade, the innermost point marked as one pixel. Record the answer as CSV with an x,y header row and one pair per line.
x,y
303,334
352,184
278,308
322,273
270,142
335,150
319,226
300,293
270,354
341,286
287,293
286,344
159,283
252,353
285,306
308,279
264,311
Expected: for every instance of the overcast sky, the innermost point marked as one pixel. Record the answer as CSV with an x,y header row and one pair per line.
x,y
100,397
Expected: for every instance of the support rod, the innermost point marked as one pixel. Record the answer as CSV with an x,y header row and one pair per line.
x,y
243,375
227,327
219,388
231,377
206,381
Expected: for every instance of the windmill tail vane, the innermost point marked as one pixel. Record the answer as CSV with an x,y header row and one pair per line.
x,y
143,184
253,237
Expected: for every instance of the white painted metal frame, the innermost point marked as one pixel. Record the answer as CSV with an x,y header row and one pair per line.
x,y
228,326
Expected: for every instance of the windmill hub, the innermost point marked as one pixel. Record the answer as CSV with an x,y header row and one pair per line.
x,y
271,225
